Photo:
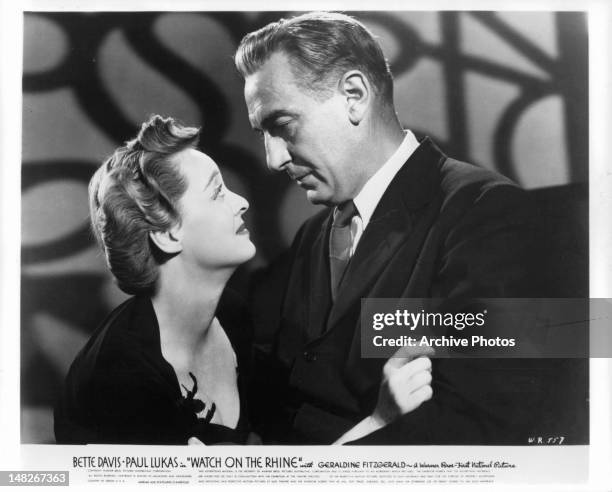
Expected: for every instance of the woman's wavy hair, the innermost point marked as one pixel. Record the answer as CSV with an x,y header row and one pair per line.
x,y
136,191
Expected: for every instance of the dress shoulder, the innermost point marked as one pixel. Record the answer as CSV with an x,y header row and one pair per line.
x,y
234,316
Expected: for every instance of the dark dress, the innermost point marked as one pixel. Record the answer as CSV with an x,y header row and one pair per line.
x,y
121,390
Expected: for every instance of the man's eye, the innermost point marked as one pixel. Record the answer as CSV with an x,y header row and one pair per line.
x,y
280,127
282,123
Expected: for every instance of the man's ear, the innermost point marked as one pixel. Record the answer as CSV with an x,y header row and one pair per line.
x,y
358,92
168,241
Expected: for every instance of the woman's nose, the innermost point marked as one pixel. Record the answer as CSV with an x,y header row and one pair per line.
x,y
239,203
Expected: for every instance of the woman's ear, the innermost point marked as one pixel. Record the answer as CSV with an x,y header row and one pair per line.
x,y
358,92
167,241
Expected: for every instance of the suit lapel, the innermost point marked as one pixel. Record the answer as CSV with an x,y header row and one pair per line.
x,y
377,245
390,227
319,291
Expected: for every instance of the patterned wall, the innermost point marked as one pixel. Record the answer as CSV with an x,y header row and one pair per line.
x,y
506,90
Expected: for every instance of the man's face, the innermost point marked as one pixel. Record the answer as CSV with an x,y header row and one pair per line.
x,y
309,137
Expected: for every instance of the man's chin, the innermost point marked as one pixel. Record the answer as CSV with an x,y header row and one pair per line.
x,y
317,198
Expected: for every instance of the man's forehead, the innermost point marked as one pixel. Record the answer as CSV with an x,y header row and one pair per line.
x,y
274,75
260,101
272,88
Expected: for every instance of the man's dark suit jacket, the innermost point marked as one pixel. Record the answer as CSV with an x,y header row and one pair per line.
x,y
442,229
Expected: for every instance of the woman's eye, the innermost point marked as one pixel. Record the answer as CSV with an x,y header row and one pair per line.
x,y
218,192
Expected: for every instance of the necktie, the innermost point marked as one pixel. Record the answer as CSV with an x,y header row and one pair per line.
x,y
340,244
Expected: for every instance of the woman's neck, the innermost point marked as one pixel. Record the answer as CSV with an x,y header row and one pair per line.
x,y
185,304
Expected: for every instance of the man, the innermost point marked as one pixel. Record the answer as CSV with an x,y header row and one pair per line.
x,y
403,221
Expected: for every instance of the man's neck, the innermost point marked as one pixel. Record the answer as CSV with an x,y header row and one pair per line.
x,y
382,141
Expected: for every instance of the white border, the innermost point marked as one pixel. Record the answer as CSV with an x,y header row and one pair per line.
x,y
10,236
600,38
600,231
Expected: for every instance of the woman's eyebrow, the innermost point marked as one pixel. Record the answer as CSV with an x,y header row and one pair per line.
x,y
214,175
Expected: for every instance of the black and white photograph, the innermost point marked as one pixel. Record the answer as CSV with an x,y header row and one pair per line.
x,y
208,195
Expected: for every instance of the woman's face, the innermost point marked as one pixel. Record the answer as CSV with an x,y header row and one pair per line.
x,y
213,233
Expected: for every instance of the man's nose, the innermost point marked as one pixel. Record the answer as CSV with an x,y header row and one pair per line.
x,y
277,154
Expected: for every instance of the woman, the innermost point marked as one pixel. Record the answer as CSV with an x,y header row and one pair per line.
x,y
162,369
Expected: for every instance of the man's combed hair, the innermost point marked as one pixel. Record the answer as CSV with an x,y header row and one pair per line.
x,y
319,45
135,192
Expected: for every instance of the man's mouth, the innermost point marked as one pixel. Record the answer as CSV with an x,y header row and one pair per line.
x,y
302,180
298,177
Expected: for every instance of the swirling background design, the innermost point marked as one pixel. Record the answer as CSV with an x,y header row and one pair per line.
x,y
508,91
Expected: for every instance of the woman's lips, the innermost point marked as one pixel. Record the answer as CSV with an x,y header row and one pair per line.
x,y
242,229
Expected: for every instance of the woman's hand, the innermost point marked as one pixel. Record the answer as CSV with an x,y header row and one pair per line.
x,y
406,384
252,439
194,441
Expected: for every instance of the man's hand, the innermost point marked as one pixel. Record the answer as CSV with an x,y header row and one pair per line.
x,y
406,384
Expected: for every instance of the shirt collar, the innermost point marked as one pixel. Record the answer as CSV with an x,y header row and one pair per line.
x,y
371,193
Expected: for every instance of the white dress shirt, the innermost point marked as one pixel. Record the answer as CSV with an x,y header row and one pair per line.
x,y
371,193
